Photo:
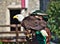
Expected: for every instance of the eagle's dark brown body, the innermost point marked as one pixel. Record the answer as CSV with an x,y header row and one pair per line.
x,y
33,23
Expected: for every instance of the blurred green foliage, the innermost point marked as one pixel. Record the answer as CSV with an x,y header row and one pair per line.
x,y
54,18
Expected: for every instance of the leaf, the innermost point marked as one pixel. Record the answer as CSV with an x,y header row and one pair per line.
x,y
59,18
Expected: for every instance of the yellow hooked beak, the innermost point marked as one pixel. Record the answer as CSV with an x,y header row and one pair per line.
x,y
15,17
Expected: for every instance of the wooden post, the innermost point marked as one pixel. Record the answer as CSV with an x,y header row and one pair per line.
x,y
17,35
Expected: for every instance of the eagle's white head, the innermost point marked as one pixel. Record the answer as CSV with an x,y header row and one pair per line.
x,y
19,17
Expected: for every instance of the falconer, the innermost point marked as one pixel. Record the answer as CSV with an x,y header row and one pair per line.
x,y
44,35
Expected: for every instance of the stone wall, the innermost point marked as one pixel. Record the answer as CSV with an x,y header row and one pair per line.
x,y
33,5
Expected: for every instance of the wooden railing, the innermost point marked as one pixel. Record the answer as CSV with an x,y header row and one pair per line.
x,y
12,32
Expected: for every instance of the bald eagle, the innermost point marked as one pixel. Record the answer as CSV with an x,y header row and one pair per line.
x,y
31,22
